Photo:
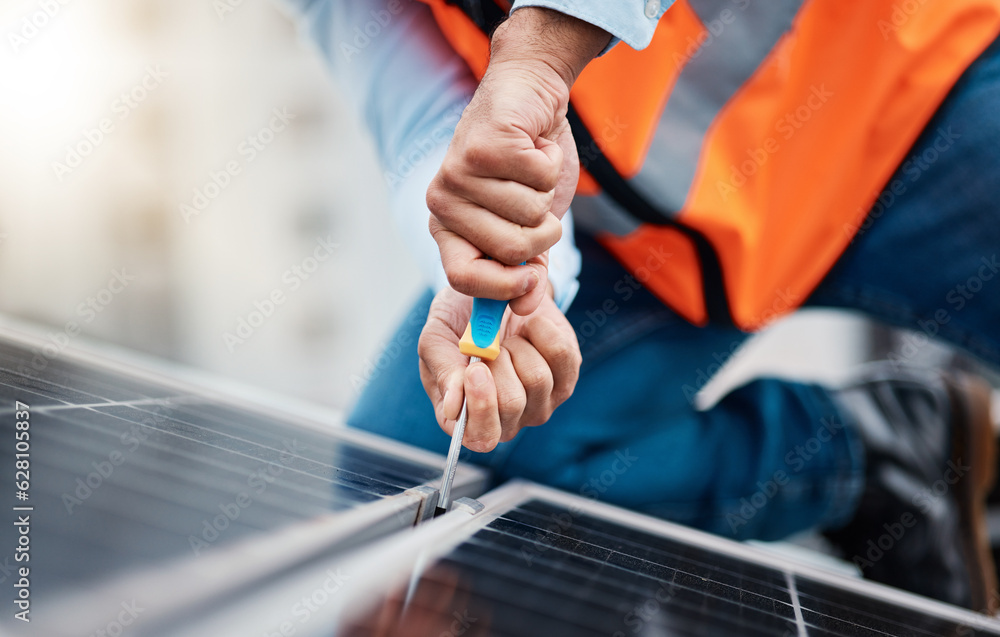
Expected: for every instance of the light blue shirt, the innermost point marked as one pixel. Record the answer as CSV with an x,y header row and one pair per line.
x,y
409,87
630,21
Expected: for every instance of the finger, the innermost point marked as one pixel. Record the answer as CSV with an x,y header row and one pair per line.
x,y
559,347
471,274
536,378
511,398
482,429
570,174
429,382
512,201
447,405
486,229
529,301
442,365
513,155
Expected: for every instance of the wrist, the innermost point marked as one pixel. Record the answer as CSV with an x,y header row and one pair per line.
x,y
547,41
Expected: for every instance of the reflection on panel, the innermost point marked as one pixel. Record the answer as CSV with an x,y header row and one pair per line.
x,y
540,569
128,473
560,565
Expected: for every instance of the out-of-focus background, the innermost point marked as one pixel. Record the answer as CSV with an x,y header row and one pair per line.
x,y
182,178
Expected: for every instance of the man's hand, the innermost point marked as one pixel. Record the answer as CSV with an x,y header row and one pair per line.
x,y
536,371
512,167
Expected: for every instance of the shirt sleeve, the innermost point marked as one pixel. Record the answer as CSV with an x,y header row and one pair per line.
x,y
404,81
630,21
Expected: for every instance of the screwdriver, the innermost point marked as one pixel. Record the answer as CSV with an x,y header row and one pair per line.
x,y
481,341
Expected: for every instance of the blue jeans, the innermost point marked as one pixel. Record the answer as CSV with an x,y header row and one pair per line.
x,y
772,457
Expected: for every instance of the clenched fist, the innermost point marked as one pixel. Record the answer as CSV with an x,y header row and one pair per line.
x,y
511,169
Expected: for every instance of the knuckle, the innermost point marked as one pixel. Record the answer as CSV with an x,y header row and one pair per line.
x,y
449,178
477,403
509,433
561,394
436,199
537,419
536,378
459,279
552,229
566,352
563,354
478,155
541,211
516,249
535,241
512,405
552,178
423,349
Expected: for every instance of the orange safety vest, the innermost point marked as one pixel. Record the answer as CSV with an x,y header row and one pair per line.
x,y
784,120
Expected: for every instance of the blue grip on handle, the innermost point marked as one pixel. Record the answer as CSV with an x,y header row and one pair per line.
x,y
487,315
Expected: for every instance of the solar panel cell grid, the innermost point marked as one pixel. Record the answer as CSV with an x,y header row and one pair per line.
x,y
542,568
142,474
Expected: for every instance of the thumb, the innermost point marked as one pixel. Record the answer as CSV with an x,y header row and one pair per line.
x,y
482,429
442,368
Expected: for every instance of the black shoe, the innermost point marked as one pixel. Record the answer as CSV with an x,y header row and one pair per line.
x,y
920,524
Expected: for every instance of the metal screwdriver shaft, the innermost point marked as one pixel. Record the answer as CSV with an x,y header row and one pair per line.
x,y
481,341
451,466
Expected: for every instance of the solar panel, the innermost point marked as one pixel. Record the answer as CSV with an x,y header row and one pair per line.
x,y
191,512
133,474
541,562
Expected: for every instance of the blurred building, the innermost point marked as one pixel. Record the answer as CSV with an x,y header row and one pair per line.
x,y
186,89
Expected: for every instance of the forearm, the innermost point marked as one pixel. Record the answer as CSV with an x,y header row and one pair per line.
x,y
631,21
409,87
552,42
